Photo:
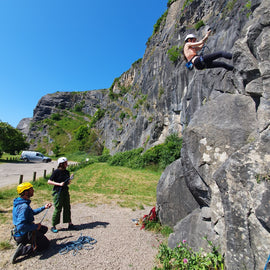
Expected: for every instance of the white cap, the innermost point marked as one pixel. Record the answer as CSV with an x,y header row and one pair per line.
x,y
62,160
189,36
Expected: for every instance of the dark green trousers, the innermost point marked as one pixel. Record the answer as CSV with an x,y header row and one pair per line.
x,y
61,200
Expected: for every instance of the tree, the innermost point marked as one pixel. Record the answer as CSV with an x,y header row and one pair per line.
x,y
12,141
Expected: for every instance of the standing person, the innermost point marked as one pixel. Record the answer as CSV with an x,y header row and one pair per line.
x,y
26,231
192,48
60,178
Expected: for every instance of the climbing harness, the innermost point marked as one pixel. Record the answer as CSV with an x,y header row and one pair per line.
x,y
189,65
267,263
83,242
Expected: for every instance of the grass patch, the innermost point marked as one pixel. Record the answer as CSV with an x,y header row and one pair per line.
x,y
4,245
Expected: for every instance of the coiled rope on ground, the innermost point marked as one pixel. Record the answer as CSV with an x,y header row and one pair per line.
x,y
83,242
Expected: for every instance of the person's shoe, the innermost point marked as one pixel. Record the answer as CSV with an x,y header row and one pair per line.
x,y
17,253
54,230
71,227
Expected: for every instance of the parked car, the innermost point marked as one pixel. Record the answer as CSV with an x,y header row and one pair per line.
x,y
32,156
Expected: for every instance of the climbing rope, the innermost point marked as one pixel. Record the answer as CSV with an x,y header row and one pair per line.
x,y
44,215
83,242
267,263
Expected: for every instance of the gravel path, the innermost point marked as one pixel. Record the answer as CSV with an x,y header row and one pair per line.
x,y
121,245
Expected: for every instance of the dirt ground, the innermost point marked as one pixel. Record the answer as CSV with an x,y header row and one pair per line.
x,y
121,244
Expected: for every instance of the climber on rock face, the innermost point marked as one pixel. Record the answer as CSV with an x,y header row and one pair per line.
x,y
192,47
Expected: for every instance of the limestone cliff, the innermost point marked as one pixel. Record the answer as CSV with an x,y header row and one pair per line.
x,y
220,186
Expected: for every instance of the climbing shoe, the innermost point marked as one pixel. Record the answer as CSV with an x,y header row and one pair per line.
x,y
17,253
54,230
71,227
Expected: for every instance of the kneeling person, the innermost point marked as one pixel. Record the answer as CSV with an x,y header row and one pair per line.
x,y
29,236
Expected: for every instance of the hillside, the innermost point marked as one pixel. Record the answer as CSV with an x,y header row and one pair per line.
x,y
220,184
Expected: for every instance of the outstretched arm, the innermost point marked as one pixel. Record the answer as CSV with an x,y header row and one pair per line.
x,y
199,44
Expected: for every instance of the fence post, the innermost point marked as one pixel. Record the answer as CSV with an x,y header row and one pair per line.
x,y
21,179
52,170
44,174
34,176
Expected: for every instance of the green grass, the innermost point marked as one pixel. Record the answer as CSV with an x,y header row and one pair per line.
x,y
9,158
5,245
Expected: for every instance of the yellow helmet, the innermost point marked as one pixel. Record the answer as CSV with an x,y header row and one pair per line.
x,y
23,186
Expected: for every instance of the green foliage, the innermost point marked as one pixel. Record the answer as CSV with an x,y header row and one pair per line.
x,y
56,150
122,116
12,141
5,245
97,116
155,226
174,52
263,178
56,116
230,5
199,24
137,62
159,22
81,133
184,258
164,154
248,7
69,131
79,106
160,155
127,159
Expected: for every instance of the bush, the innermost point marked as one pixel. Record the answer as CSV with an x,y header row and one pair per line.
x,y
174,53
199,24
124,158
164,154
161,155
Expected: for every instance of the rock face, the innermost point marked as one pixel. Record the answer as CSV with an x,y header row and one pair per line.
x,y
225,156
219,188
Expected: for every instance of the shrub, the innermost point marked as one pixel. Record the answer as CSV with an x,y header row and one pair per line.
x,y
56,117
124,158
199,24
159,22
174,53
183,257
161,155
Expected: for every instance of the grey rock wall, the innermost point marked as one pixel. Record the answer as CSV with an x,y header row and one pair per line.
x,y
225,155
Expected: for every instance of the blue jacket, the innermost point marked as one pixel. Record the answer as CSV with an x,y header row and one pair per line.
x,y
23,216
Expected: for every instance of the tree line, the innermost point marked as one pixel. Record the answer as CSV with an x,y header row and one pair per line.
x,y
12,141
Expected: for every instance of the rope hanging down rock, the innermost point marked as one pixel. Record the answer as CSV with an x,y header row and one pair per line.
x,y
83,242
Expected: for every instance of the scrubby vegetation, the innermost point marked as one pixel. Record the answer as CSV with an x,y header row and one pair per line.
x,y
183,257
158,156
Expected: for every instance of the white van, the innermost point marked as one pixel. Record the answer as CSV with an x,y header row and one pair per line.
x,y
32,156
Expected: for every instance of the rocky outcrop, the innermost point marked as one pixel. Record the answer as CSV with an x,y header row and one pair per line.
x,y
24,125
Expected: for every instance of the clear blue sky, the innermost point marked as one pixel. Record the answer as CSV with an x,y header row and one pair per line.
x,y
67,45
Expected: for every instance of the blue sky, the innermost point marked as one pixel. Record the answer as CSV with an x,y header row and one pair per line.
x,y
67,45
